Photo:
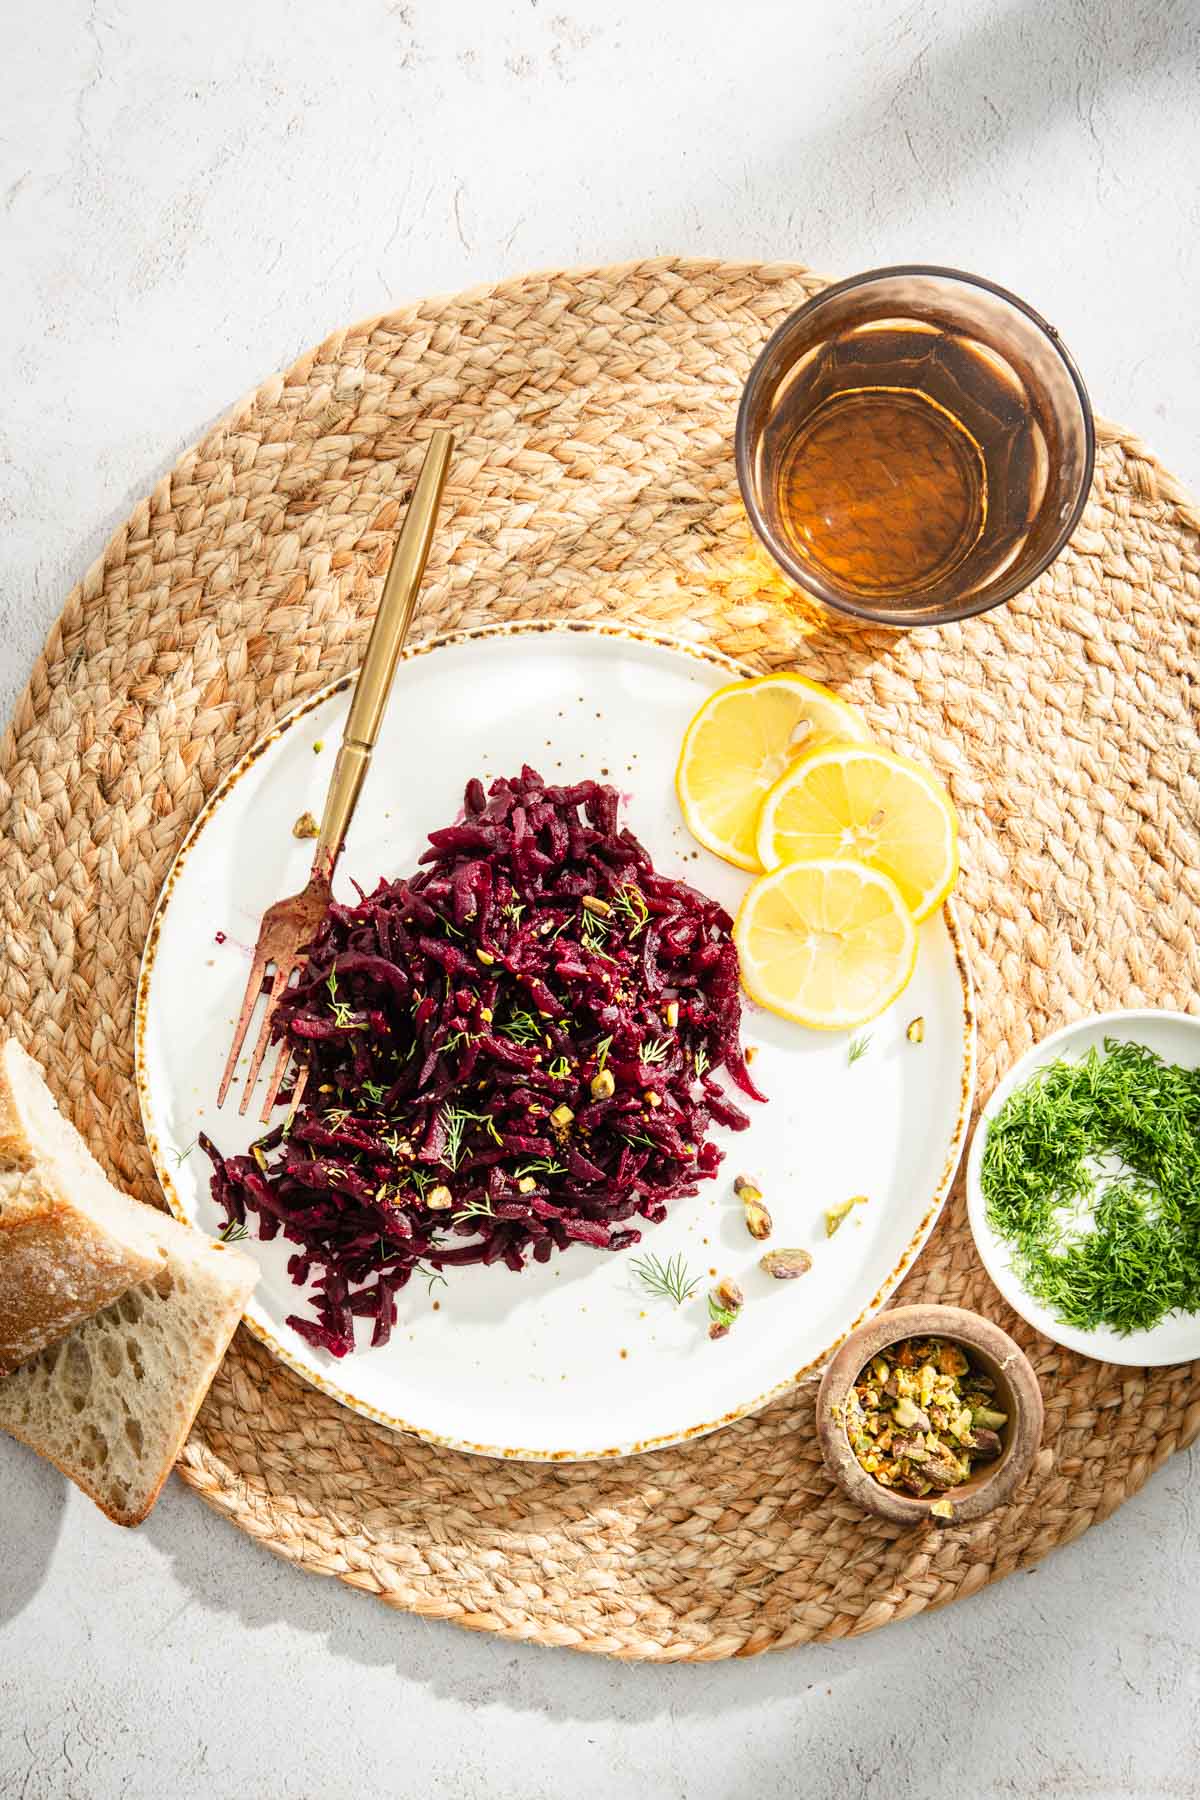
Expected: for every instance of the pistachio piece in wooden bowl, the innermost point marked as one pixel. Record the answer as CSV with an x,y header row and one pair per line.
x,y
929,1412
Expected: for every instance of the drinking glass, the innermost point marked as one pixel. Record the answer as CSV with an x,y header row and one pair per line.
x,y
914,445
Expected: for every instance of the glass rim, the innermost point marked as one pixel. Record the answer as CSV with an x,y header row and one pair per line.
x,y
779,552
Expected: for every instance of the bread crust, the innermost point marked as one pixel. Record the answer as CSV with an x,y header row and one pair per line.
x,y
56,1269
58,1265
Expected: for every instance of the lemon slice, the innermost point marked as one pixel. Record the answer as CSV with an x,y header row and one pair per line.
x,y
860,801
828,942
737,746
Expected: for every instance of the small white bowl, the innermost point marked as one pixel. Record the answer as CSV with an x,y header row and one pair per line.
x,y
1176,1038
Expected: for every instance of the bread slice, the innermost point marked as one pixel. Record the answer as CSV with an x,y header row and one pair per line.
x,y
112,1404
70,1243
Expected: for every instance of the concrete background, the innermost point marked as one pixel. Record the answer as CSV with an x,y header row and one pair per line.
x,y
188,198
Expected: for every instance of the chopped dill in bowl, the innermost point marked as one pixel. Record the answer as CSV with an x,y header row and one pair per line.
x,y
1091,1172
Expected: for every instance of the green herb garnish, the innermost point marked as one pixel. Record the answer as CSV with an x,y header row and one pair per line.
x,y
539,1165
521,1027
858,1048
665,1280
654,1050
232,1232
474,1209
700,1061
602,1050
341,1009
560,1068
1117,1246
630,902
456,1119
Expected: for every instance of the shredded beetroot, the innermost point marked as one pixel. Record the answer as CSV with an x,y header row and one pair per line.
x,y
455,1025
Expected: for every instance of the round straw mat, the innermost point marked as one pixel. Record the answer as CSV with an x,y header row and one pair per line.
x,y
594,477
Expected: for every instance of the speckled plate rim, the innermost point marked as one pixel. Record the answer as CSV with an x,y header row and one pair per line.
x,y
1138,1351
528,628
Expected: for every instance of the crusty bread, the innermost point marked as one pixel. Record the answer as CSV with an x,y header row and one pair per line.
x,y
70,1242
112,1404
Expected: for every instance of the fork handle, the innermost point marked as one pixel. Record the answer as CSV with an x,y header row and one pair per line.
x,y
388,633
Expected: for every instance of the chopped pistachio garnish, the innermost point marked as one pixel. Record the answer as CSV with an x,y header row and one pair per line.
x,y
487,959
835,1216
603,1085
306,827
758,1219
919,1418
672,1014
916,1031
724,1304
593,904
561,1117
729,1293
439,1199
785,1265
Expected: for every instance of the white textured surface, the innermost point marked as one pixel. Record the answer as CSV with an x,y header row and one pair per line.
x,y
189,197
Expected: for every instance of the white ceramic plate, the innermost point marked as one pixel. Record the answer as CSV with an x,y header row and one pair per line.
x,y
1176,1038
569,1359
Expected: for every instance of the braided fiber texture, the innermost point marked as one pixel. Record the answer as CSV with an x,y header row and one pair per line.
x,y
594,477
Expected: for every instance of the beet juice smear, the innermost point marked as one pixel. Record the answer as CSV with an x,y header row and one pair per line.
x,y
510,1052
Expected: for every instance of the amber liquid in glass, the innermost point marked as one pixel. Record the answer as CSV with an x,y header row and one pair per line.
x,y
881,447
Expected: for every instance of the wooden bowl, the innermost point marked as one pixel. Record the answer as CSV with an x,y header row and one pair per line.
x,y
1017,1394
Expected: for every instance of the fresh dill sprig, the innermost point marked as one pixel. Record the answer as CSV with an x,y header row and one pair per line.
x,y
513,910
432,1276
374,1090
700,1061
630,902
668,1280
593,934
455,1123
602,1050
539,1165
456,1119
1120,1247
858,1048
654,1050
640,1137
232,1232
341,1009
181,1156
521,1027
560,1068
474,1209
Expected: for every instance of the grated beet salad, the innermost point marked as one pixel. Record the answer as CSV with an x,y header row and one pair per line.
x,y
510,1052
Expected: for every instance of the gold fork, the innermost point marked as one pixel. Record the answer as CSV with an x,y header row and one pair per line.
x,y
289,925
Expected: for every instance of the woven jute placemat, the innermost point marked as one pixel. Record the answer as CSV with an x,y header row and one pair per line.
x,y
594,477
